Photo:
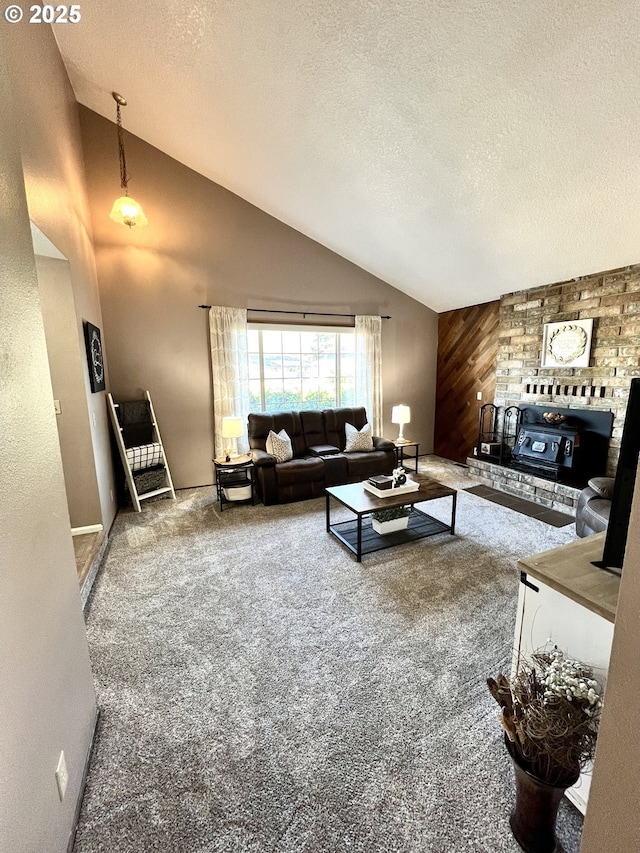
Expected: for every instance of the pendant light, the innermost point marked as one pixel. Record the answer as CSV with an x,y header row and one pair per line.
x,y
125,209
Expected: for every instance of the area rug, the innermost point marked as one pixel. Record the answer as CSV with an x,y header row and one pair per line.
x,y
525,507
261,691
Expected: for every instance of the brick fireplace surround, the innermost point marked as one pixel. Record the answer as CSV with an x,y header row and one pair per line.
x,y
612,299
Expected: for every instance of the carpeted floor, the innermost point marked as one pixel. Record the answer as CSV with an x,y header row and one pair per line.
x,y
261,691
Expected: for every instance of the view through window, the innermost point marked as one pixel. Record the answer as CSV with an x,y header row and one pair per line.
x,y
301,367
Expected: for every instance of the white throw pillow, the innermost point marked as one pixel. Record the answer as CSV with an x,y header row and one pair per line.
x,y
279,445
358,441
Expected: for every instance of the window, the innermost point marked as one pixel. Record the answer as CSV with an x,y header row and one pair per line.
x,y
300,367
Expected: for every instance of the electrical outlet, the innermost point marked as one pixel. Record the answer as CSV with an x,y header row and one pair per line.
x,y
62,776
57,407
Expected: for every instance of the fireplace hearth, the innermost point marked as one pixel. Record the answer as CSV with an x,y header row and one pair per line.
x,y
523,484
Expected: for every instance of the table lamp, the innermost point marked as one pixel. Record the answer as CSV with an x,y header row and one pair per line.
x,y
400,415
232,427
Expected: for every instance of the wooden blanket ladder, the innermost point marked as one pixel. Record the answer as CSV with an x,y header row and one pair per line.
x,y
138,439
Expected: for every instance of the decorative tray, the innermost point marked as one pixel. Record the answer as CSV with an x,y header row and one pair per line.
x,y
409,486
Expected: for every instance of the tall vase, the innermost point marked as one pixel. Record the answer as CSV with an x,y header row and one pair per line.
x,y
533,820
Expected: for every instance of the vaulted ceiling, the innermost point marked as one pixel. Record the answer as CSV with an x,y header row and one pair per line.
x,y
457,149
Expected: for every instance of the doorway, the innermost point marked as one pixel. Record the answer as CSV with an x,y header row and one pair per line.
x,y
69,382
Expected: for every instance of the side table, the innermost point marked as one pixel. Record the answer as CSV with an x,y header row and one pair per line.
x,y
237,478
400,448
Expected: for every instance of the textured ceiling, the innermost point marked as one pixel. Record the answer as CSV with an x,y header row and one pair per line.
x,y
457,149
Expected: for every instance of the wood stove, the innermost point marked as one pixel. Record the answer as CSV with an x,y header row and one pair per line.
x,y
553,452
569,452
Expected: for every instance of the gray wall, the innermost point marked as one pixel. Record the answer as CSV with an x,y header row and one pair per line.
x,y
206,245
46,120
47,701
67,365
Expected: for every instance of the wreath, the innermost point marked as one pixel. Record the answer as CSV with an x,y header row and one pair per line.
x,y
580,345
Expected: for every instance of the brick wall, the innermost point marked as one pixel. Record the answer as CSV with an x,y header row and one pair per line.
x,y
612,299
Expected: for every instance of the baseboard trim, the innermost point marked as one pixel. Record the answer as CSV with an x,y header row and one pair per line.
x,y
87,586
89,528
85,773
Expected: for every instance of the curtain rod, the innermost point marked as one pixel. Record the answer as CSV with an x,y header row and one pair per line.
x,y
300,313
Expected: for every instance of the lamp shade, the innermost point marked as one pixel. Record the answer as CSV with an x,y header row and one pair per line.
x,y
400,415
232,427
127,211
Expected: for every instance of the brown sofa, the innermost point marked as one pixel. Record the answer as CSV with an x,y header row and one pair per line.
x,y
319,460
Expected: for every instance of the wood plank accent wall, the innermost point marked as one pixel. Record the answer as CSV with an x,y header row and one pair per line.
x,y
467,355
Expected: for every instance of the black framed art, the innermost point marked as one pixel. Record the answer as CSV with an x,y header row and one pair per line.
x,y
95,361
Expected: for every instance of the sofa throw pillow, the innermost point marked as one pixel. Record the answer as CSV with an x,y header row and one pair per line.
x,y
278,444
358,441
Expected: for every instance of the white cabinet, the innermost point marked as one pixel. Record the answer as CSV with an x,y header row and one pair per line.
x,y
566,601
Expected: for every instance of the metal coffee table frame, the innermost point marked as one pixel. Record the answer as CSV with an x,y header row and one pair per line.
x,y
362,539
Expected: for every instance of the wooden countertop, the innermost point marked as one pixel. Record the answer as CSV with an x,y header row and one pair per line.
x,y
569,570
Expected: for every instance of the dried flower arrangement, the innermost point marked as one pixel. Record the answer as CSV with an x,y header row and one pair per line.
x,y
550,712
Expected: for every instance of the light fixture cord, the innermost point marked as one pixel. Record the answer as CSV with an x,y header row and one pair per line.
x,y
124,177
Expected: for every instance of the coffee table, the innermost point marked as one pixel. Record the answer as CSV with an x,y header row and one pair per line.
x,y
362,539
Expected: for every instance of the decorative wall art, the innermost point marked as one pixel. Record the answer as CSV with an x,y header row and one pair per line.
x,y
567,344
94,356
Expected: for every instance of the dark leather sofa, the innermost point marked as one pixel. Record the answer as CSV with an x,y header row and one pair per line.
x,y
594,506
319,460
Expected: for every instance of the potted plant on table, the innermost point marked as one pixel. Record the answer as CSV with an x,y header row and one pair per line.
x,y
550,714
389,520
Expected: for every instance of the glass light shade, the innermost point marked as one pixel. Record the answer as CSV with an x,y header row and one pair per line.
x,y
232,427
127,211
400,415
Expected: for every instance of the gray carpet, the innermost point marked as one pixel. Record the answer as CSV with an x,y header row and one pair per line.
x,y
261,691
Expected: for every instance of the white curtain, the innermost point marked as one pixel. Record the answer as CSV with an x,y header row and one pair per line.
x,y
369,368
230,370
